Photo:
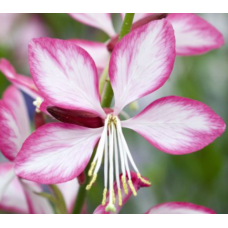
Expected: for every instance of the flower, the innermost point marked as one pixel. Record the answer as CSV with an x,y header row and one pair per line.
x,y
194,35
66,76
164,208
16,32
17,195
23,83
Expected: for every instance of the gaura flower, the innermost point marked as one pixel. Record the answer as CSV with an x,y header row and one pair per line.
x,y
18,195
66,76
16,32
23,83
193,34
164,208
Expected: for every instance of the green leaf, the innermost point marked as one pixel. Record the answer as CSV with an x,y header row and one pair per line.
x,y
61,205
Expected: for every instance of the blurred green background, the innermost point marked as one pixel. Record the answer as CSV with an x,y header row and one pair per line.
x,y
200,177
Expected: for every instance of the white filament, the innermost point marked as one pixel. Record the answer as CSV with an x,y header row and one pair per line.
x,y
106,163
116,160
121,154
126,148
110,162
100,149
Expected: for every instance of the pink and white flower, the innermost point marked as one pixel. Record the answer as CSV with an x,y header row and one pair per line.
x,y
23,83
17,30
18,195
164,208
194,35
66,76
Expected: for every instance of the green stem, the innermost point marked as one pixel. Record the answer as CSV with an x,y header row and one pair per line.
x,y
103,78
125,29
108,95
127,24
106,102
80,199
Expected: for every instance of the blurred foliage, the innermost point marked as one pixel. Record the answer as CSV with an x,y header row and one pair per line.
x,y
200,177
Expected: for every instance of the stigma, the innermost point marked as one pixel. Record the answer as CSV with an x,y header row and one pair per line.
x,y
113,147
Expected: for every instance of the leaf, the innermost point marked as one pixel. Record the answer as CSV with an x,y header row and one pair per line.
x,y
60,202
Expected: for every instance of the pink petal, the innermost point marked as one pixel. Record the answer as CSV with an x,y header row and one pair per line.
x,y
7,175
193,34
97,50
102,21
56,153
13,199
22,82
137,185
69,190
177,125
14,122
65,74
142,62
179,208
36,204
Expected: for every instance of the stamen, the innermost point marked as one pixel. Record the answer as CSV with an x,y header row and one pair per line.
x,y
116,160
104,196
92,166
106,164
124,184
143,180
100,148
132,188
126,147
38,103
129,155
94,177
121,153
113,196
120,197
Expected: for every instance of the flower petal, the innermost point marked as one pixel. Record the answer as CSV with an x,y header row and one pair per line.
x,y
14,122
36,204
142,62
177,125
22,82
13,199
97,50
137,185
56,153
193,34
69,190
102,21
65,74
179,208
7,175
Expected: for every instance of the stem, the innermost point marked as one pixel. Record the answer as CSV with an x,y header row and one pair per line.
x,y
103,78
108,95
125,29
126,26
80,199
106,102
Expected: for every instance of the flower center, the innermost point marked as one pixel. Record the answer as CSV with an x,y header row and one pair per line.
x,y
113,146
